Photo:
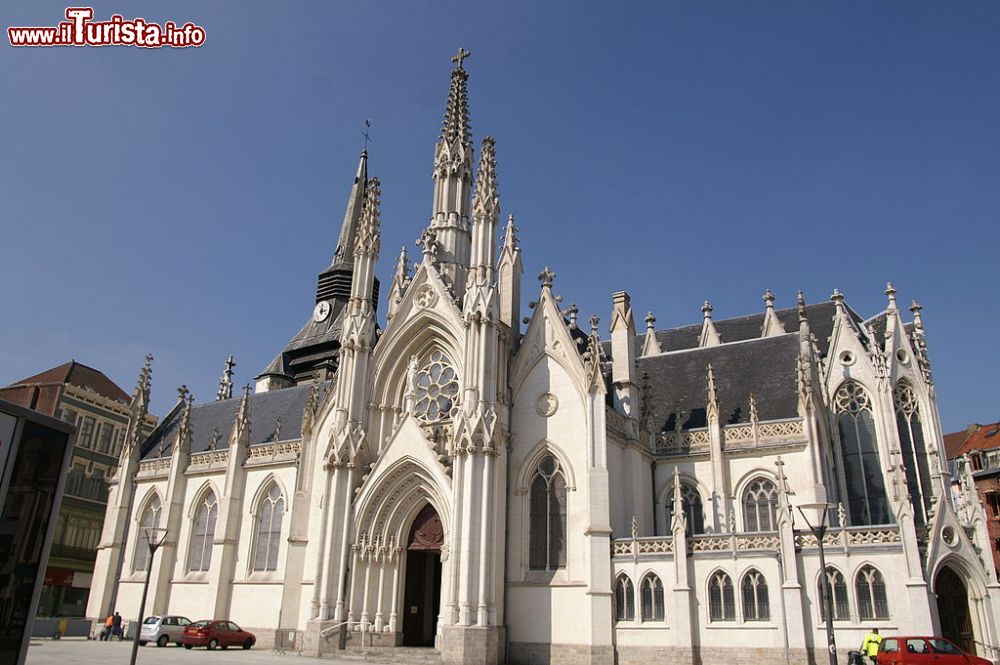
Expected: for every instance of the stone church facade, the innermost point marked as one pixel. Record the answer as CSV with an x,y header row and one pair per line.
x,y
528,491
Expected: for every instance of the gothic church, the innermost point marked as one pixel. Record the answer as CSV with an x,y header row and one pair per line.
x,y
530,491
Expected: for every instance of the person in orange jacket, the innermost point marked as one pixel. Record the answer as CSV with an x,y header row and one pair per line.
x,y
106,634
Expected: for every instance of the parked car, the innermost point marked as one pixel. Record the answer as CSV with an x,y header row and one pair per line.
x,y
216,633
922,650
163,630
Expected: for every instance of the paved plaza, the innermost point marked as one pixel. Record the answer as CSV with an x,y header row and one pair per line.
x,y
89,652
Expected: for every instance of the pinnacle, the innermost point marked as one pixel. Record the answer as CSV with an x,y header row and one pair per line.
x,y
455,127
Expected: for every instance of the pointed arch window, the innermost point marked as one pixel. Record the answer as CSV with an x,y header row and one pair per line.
x,y
436,391
862,466
547,520
838,595
624,599
651,593
760,506
914,450
270,513
150,520
693,511
872,600
756,603
721,601
203,534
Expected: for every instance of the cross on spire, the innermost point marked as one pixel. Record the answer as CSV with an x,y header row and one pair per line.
x,y
460,56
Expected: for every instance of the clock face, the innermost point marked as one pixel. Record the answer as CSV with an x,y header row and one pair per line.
x,y
322,311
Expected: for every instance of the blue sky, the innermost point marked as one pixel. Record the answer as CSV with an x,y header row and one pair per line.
x,y
181,202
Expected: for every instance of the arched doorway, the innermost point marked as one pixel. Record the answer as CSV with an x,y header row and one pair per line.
x,y
422,594
953,609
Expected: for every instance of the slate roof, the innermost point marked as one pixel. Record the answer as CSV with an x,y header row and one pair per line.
x,y
78,375
265,409
322,336
764,366
749,327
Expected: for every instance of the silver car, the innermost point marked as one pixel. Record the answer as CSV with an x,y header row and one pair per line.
x,y
162,630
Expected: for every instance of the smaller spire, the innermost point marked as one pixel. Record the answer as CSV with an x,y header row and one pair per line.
x,y
214,443
713,393
226,380
140,396
182,393
368,234
837,297
400,280
403,266
918,321
678,523
243,413
546,277
510,234
650,345
572,311
800,299
184,430
753,409
890,293
486,201
772,326
594,323
709,335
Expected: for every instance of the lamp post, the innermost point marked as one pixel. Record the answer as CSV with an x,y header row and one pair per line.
x,y
820,531
154,538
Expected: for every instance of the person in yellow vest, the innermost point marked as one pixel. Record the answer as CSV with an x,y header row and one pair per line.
x,y
871,644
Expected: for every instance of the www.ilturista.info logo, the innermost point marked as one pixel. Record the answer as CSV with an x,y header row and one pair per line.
x,y
80,30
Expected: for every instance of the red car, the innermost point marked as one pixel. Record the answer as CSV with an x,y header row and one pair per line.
x,y
211,634
924,651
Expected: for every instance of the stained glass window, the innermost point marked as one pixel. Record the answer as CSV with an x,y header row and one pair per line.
x,y
547,540
268,533
862,466
436,390
202,534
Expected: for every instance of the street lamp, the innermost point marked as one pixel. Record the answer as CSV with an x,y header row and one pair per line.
x,y
154,538
820,531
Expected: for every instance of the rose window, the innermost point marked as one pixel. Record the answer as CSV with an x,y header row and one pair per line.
x,y
436,390
851,397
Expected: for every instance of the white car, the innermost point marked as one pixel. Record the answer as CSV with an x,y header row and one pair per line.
x,y
162,630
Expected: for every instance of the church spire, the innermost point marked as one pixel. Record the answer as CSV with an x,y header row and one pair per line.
x,y
453,183
772,325
335,281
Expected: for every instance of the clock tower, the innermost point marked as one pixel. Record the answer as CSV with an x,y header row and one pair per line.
x,y
312,354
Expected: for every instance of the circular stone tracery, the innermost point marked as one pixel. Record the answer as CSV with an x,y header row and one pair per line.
x,y
437,389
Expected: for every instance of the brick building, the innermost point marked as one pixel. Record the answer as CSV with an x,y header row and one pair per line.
x,y
86,398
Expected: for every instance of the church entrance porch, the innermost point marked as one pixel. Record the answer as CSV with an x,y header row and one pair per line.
x,y
953,609
422,593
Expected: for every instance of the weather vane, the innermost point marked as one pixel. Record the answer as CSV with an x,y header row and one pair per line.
x,y
365,133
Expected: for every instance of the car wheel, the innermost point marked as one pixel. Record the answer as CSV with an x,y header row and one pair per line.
x,y
188,646
162,641
142,643
247,644
212,643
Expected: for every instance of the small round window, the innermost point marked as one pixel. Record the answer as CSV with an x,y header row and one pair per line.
x,y
949,536
847,358
437,389
902,356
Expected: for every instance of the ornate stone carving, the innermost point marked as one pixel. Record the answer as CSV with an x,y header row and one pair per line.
x,y
547,404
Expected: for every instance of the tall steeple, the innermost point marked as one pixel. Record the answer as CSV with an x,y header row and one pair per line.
x,y
453,182
335,281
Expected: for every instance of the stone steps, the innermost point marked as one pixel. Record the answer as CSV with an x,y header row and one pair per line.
x,y
414,655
